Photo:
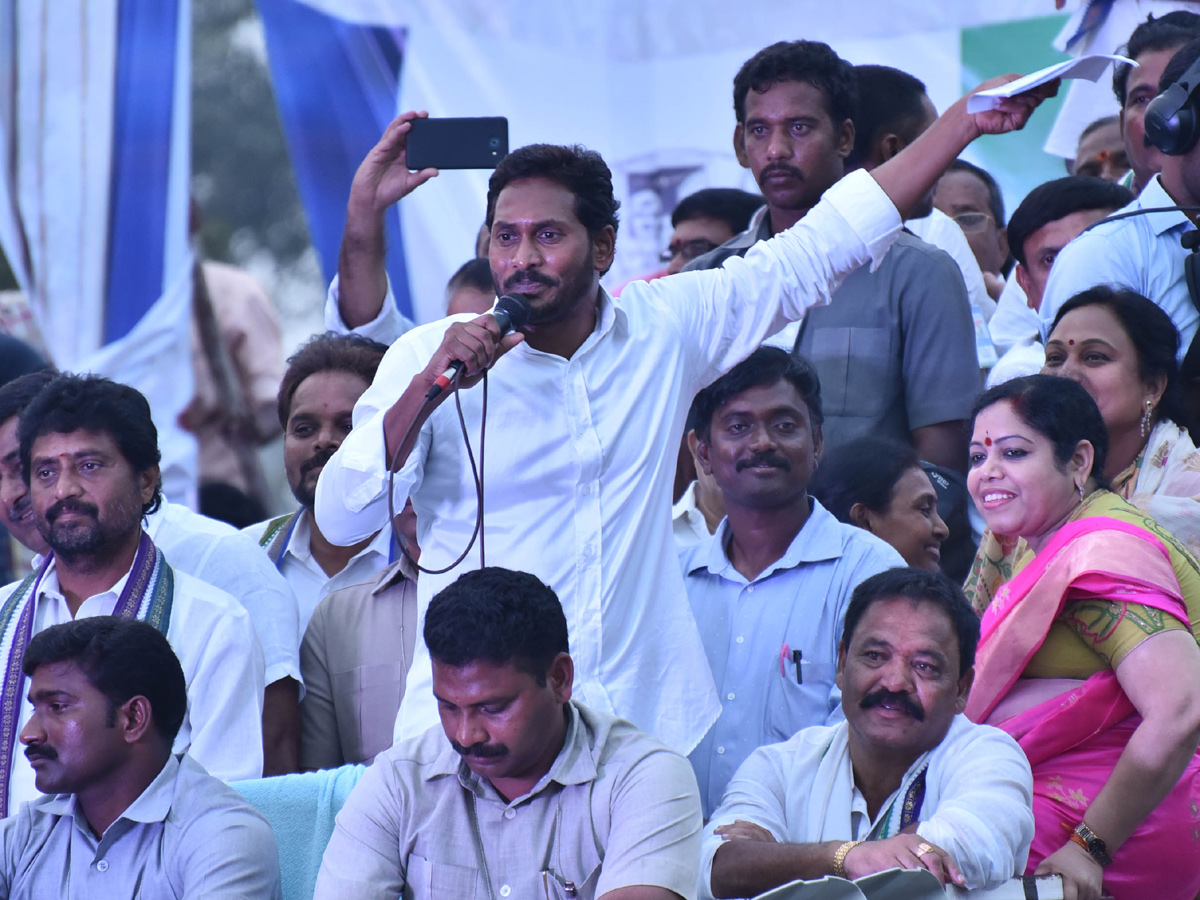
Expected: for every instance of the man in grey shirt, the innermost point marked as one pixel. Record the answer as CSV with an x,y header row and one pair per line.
x,y
126,817
520,792
895,350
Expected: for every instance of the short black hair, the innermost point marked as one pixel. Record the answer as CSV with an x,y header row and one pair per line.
x,y
581,171
497,615
863,471
1162,33
97,404
806,61
764,366
122,658
474,273
1058,199
732,206
328,352
1179,64
1153,335
1058,409
995,196
918,585
888,100
19,393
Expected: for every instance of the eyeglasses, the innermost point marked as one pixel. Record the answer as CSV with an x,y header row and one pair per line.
x,y
688,250
972,222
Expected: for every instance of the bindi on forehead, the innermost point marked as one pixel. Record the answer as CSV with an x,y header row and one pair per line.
x,y
1071,342
987,441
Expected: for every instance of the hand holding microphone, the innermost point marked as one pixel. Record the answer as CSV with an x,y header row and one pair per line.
x,y
470,348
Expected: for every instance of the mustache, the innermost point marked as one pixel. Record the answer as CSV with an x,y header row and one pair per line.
x,y
479,751
781,167
18,510
69,505
316,461
765,458
529,276
904,701
36,751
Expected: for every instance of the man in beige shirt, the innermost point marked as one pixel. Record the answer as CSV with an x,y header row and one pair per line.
x,y
354,659
521,792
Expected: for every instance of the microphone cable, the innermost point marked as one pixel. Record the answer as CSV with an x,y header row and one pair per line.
x,y
476,475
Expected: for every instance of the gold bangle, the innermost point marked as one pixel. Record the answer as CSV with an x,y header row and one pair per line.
x,y
839,857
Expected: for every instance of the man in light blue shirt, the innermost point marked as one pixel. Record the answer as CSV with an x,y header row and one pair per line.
x,y
769,590
1142,253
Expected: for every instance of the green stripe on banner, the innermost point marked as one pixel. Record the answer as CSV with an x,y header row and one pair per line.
x,y
1017,161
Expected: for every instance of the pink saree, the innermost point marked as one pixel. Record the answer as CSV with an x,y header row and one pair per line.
x,y
1073,740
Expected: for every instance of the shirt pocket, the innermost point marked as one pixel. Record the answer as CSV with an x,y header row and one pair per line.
x,y
584,889
855,368
791,706
366,700
427,880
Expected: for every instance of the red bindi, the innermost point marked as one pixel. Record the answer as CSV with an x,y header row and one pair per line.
x,y
987,442
1071,342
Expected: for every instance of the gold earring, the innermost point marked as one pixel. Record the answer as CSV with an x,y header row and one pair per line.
x,y
1146,417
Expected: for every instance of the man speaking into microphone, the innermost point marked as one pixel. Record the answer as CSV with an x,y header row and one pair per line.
x,y
586,410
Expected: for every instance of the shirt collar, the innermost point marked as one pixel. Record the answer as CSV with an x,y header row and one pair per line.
x,y
49,585
300,547
1155,195
399,571
152,805
817,541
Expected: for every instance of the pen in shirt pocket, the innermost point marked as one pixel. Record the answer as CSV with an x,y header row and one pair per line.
x,y
798,661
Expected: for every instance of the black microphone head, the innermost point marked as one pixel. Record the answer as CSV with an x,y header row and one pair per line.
x,y
1190,239
512,312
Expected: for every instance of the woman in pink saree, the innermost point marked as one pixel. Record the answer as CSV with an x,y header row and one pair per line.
x,y
1087,656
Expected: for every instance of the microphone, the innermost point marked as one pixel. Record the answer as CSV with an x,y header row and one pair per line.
x,y
1190,240
511,314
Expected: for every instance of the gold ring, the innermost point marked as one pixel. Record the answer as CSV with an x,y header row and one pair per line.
x,y
923,848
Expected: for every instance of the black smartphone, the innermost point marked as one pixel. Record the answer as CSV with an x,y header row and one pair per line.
x,y
457,143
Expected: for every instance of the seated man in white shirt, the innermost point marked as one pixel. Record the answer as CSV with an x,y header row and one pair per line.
x,y
905,781
324,379
126,817
89,450
770,589
588,408
204,548
520,791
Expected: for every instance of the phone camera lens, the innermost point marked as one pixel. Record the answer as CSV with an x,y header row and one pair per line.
x,y
494,143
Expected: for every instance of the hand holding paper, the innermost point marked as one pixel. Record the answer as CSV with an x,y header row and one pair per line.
x,y
1089,67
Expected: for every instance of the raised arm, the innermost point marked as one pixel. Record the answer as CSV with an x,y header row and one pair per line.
x,y
907,177
382,179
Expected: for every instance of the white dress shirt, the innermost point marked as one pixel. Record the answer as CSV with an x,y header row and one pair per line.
x,y
977,805
687,521
581,456
308,581
222,663
217,554
1013,322
1142,253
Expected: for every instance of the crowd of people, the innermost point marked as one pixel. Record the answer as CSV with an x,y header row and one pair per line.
x,y
657,595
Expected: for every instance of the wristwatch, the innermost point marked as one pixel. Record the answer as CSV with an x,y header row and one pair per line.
x,y
1092,843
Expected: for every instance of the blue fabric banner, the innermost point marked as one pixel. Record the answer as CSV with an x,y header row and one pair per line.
x,y
144,94
336,85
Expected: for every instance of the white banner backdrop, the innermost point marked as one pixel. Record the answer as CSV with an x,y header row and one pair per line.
x,y
647,84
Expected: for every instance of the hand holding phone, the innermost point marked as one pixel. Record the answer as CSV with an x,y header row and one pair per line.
x,y
478,143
